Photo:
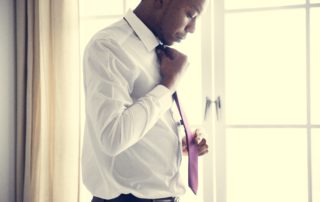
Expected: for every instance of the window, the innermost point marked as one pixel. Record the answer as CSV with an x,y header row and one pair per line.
x,y
270,91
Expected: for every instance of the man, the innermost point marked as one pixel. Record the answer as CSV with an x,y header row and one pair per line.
x,y
132,151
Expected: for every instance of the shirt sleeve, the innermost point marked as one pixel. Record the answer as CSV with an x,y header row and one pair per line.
x,y
116,121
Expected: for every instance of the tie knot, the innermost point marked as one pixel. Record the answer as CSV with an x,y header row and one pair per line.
x,y
160,49
161,46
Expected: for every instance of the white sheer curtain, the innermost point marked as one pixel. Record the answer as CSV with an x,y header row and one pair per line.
x,y
48,105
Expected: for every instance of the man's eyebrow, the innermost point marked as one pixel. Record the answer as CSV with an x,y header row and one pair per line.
x,y
196,8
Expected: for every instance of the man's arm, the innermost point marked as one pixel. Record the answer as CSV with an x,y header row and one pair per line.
x,y
117,121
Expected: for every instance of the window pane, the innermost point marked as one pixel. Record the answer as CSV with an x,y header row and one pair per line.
x,y
132,4
190,86
236,4
266,67
315,65
316,165
101,7
314,1
265,165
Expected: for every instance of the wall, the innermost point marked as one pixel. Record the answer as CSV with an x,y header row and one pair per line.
x,y
7,99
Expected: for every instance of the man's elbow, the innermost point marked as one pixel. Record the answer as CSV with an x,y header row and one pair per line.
x,y
116,137
112,147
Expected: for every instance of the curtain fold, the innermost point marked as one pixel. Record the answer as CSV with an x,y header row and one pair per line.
x,y
21,39
48,101
28,96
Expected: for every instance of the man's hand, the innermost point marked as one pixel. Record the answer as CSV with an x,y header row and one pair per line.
x,y
199,140
172,65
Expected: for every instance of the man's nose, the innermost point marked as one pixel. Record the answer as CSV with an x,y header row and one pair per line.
x,y
191,26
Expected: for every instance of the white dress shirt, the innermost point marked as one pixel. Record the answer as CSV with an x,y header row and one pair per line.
x,y
131,142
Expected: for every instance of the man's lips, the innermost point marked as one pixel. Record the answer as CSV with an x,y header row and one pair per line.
x,y
179,38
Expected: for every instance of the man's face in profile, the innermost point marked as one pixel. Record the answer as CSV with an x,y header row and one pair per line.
x,y
178,19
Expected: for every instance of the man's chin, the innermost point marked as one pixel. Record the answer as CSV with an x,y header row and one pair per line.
x,y
169,43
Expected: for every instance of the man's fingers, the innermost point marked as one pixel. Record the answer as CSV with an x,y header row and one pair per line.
x,y
202,149
168,52
202,142
203,152
198,136
160,54
201,146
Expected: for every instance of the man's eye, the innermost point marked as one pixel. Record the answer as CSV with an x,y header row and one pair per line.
x,y
191,15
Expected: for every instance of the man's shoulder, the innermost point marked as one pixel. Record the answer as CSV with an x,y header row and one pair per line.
x,y
118,33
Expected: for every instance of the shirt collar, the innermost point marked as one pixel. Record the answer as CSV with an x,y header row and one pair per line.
x,y
149,40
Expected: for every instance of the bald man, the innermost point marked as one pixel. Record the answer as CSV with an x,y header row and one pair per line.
x,y
131,149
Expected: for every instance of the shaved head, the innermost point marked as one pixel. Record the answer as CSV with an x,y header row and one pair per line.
x,y
170,20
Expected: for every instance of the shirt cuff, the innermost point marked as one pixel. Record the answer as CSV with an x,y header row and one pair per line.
x,y
163,96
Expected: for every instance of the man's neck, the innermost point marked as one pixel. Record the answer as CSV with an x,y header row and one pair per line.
x,y
143,13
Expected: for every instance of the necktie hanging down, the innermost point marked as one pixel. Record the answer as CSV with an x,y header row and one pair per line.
x,y
192,149
191,144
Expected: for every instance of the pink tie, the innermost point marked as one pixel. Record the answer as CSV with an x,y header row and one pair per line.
x,y
192,149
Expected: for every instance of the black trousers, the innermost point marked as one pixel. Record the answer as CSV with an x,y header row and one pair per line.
x,y
132,198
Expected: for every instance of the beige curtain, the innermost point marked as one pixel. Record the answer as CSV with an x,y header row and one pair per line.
x,y
48,101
